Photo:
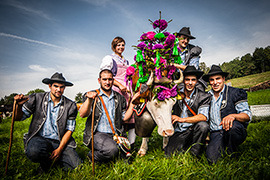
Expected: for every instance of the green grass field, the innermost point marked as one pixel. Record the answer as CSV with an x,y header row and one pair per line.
x,y
254,162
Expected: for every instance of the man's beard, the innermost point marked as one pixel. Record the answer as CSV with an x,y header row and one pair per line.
x,y
106,90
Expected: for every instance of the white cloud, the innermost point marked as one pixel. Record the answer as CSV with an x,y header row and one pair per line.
x,y
29,10
38,68
28,40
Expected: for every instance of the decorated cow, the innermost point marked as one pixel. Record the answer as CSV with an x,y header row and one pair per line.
x,y
156,76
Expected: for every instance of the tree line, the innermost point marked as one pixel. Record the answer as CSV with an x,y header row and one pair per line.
x,y
248,64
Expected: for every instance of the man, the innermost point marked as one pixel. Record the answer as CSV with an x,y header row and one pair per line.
x,y
189,53
190,116
105,148
49,140
229,115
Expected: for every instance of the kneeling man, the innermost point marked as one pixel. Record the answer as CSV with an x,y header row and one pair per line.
x,y
190,116
49,140
229,115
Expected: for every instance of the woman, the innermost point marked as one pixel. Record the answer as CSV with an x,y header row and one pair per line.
x,y
118,65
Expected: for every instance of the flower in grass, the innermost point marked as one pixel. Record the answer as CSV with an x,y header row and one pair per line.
x,y
160,23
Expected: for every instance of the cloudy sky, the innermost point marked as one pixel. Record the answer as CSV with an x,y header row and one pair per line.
x,y
40,37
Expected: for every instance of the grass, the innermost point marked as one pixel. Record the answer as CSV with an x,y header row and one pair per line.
x,y
254,162
259,97
251,80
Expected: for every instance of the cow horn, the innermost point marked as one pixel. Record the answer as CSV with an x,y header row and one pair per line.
x,y
151,79
181,78
162,80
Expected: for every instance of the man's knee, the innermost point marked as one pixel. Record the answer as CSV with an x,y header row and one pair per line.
x,y
33,153
203,127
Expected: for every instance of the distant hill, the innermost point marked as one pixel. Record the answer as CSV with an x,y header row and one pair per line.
x,y
250,80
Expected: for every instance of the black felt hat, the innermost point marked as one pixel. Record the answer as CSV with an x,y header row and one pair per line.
x,y
191,70
215,70
185,31
57,77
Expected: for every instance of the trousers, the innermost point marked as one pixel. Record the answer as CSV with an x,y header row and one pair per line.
x,y
193,138
222,140
105,148
40,148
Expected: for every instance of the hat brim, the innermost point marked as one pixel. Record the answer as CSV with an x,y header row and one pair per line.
x,y
51,81
207,76
198,74
190,37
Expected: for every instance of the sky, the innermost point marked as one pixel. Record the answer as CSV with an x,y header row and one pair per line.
x,y
41,37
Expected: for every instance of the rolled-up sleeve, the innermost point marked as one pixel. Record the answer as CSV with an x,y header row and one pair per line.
x,y
243,108
71,125
204,111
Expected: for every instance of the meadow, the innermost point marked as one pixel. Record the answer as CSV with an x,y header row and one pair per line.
x,y
253,163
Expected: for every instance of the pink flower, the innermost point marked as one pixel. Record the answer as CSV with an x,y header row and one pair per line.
x,y
151,35
171,71
161,96
167,93
130,70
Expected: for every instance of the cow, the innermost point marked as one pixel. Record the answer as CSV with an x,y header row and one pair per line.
x,y
155,113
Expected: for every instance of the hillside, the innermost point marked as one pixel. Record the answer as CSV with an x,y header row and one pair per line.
x,y
250,80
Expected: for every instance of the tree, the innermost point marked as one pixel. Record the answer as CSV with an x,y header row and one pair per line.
x,y
8,100
204,68
78,98
35,91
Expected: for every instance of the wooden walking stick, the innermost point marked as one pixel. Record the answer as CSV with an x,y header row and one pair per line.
x,y
92,132
15,105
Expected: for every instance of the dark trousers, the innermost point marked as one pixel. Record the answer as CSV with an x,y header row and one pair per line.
x,y
105,148
222,140
39,150
193,138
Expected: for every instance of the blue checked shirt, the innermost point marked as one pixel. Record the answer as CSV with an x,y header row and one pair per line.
x,y
49,128
215,117
181,127
104,125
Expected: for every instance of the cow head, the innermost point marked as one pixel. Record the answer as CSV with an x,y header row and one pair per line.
x,y
160,111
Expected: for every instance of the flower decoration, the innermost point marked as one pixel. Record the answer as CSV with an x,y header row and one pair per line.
x,y
160,23
157,51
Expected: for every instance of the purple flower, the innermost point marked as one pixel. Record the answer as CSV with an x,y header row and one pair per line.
x,y
158,73
166,33
174,91
171,71
169,41
161,96
143,36
158,46
160,23
141,45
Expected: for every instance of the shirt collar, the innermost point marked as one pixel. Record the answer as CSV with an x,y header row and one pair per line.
x,y
221,92
103,94
50,99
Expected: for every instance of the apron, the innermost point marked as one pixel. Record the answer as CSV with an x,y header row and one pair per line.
x,y
120,77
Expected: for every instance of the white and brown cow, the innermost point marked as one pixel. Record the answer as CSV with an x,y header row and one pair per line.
x,y
156,112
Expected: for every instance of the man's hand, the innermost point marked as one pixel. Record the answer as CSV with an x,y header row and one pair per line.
x,y
91,94
20,99
123,88
56,154
227,122
177,119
